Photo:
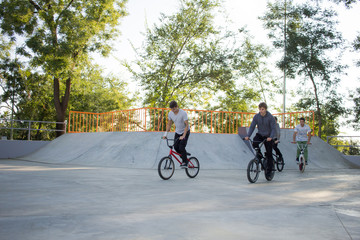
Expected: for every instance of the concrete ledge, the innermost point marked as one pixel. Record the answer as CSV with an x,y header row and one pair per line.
x,y
19,148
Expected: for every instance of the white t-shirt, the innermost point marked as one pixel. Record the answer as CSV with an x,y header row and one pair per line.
x,y
302,132
179,120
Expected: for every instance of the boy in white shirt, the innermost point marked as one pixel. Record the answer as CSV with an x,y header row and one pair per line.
x,y
302,135
182,130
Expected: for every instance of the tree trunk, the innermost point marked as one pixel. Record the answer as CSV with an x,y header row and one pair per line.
x,y
317,105
61,105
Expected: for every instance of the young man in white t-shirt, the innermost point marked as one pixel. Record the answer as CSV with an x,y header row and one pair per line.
x,y
182,130
302,135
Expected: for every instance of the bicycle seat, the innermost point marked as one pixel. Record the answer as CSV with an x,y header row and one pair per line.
x,y
189,154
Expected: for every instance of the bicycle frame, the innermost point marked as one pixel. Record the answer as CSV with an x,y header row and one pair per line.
x,y
253,169
258,151
173,153
302,147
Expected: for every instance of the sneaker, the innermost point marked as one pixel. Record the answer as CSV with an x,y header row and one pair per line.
x,y
306,163
184,165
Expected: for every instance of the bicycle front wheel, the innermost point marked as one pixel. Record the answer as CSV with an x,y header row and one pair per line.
x,y
280,163
166,168
302,163
253,170
193,167
269,173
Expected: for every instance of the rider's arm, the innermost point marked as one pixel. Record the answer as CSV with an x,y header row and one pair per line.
x,y
168,126
251,129
294,136
273,129
309,137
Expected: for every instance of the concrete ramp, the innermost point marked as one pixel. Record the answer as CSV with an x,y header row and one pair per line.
x,y
321,154
145,149
141,150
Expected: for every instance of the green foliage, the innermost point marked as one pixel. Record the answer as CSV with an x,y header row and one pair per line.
x,y
188,59
311,37
354,148
356,45
347,3
331,109
55,38
34,101
355,122
95,93
254,68
345,145
237,100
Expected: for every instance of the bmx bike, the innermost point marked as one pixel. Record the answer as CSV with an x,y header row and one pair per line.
x,y
302,161
279,161
257,164
166,165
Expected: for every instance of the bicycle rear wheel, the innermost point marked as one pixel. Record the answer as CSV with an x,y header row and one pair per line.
x,y
193,167
253,170
280,163
166,168
302,163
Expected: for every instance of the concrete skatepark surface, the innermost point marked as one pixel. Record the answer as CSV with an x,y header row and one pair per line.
x,y
106,186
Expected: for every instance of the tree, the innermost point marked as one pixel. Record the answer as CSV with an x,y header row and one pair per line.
x,y
33,98
254,68
356,45
59,36
178,60
356,95
95,93
311,37
347,3
190,59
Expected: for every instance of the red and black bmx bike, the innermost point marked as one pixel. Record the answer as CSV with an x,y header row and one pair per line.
x,y
166,165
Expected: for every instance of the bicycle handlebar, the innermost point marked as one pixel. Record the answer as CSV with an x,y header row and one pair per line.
x,y
297,142
302,147
169,139
260,145
256,141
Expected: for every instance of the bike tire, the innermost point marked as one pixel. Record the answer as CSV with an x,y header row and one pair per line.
x,y
166,168
302,163
193,167
253,170
280,163
269,173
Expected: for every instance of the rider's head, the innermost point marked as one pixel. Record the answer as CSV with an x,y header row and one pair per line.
x,y
302,121
174,106
262,108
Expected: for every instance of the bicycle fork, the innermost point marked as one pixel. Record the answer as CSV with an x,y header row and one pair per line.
x,y
168,163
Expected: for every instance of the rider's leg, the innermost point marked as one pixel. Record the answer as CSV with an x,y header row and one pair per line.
x,y
298,152
256,142
306,153
269,147
177,142
180,148
277,150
